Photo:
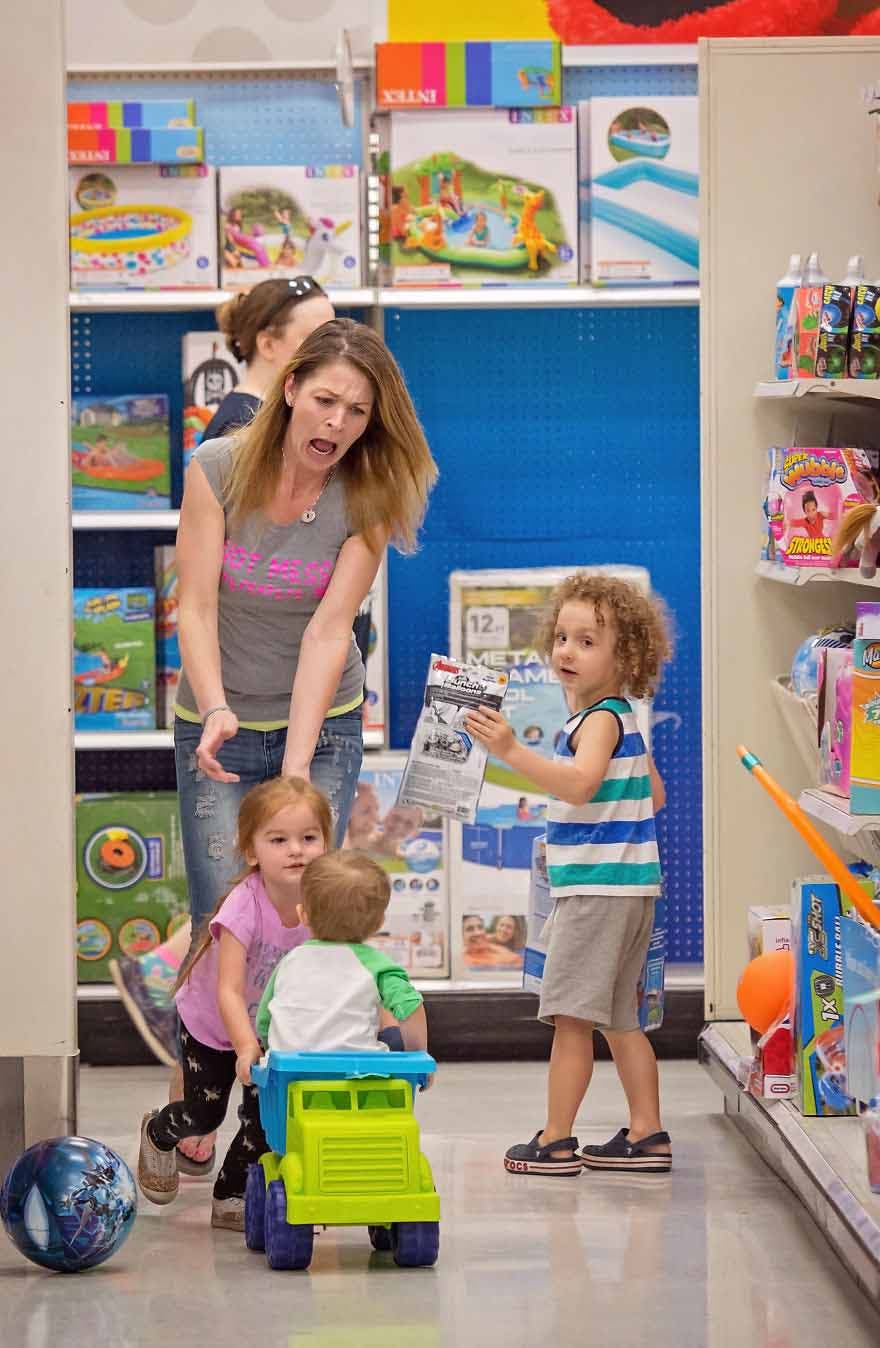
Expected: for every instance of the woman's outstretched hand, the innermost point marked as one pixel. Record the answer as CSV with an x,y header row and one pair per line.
x,y
220,727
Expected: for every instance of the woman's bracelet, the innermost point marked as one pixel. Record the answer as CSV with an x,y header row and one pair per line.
x,y
224,706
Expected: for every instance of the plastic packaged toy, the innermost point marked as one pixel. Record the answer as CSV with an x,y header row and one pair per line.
x,y
445,768
835,686
817,907
210,371
807,495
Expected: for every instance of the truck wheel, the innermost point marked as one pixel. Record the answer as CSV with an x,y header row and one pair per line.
x,y
415,1244
255,1209
287,1247
380,1237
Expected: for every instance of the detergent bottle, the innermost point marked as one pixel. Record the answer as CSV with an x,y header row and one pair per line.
x,y
785,289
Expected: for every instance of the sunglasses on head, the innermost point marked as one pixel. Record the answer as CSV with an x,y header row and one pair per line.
x,y
298,288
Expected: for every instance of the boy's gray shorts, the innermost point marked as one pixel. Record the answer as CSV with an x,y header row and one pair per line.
x,y
597,948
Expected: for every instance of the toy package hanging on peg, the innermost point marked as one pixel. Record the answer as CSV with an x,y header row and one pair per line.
x,y
445,768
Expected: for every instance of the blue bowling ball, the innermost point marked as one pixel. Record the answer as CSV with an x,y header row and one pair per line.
x,y
68,1203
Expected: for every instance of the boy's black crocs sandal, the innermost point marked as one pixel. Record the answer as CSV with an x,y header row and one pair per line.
x,y
530,1158
621,1154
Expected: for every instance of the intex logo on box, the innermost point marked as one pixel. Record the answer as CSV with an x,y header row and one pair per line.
x,y
427,96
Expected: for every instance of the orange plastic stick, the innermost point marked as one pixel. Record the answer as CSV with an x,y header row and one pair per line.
x,y
812,837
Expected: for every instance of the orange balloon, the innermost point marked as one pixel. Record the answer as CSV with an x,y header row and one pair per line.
x,y
766,989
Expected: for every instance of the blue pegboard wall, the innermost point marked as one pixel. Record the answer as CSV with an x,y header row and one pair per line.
x,y
573,439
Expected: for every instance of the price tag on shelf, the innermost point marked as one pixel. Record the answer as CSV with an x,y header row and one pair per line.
x,y
488,628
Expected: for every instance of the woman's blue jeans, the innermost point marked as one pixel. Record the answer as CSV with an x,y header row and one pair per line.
x,y
209,810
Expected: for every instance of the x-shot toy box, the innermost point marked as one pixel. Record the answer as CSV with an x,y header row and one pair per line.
x,y
817,910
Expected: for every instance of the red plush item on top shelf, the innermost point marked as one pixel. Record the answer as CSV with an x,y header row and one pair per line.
x,y
588,22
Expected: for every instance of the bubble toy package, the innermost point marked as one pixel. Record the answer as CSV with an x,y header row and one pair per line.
x,y
445,768
808,493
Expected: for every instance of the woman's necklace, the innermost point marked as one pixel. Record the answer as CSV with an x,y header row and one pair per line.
x,y
310,513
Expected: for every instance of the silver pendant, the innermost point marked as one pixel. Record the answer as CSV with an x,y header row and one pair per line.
x,y
307,516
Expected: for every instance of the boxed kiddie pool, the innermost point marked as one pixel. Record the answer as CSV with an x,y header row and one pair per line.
x,y
644,205
114,659
494,620
131,890
119,450
290,220
168,662
483,197
410,844
143,227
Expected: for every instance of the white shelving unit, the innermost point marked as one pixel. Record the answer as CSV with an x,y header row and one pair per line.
x,y
829,388
161,739
474,297
626,54
126,519
804,575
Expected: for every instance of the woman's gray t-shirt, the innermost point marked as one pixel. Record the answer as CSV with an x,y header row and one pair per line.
x,y
272,580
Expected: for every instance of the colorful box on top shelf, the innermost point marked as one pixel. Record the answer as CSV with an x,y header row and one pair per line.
x,y
644,189
482,198
114,659
143,227
468,74
289,220
137,145
120,453
131,890
153,113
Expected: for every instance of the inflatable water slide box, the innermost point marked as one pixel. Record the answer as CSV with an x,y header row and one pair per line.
x,y
143,227
644,186
289,220
114,659
120,452
483,197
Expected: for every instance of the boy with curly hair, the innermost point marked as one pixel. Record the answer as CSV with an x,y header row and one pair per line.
x,y
607,642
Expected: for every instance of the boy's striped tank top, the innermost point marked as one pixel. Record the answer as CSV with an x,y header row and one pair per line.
x,y
609,845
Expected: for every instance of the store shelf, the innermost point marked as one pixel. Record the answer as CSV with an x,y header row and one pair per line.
x,y
831,388
547,297
803,575
822,1160
118,739
126,519
374,739
834,811
800,716
171,301
627,54
204,69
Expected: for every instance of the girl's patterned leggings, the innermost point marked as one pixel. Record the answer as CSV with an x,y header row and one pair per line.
x,y
208,1078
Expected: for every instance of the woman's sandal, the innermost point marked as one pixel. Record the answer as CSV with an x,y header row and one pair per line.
x,y
187,1166
621,1154
531,1158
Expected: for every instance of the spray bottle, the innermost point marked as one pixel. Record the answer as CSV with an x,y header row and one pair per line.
x,y
785,290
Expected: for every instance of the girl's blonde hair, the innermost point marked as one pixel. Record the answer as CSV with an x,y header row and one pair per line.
x,y
388,472
260,805
345,895
266,308
641,624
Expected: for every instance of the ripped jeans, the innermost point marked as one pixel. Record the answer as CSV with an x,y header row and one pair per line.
x,y
209,810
